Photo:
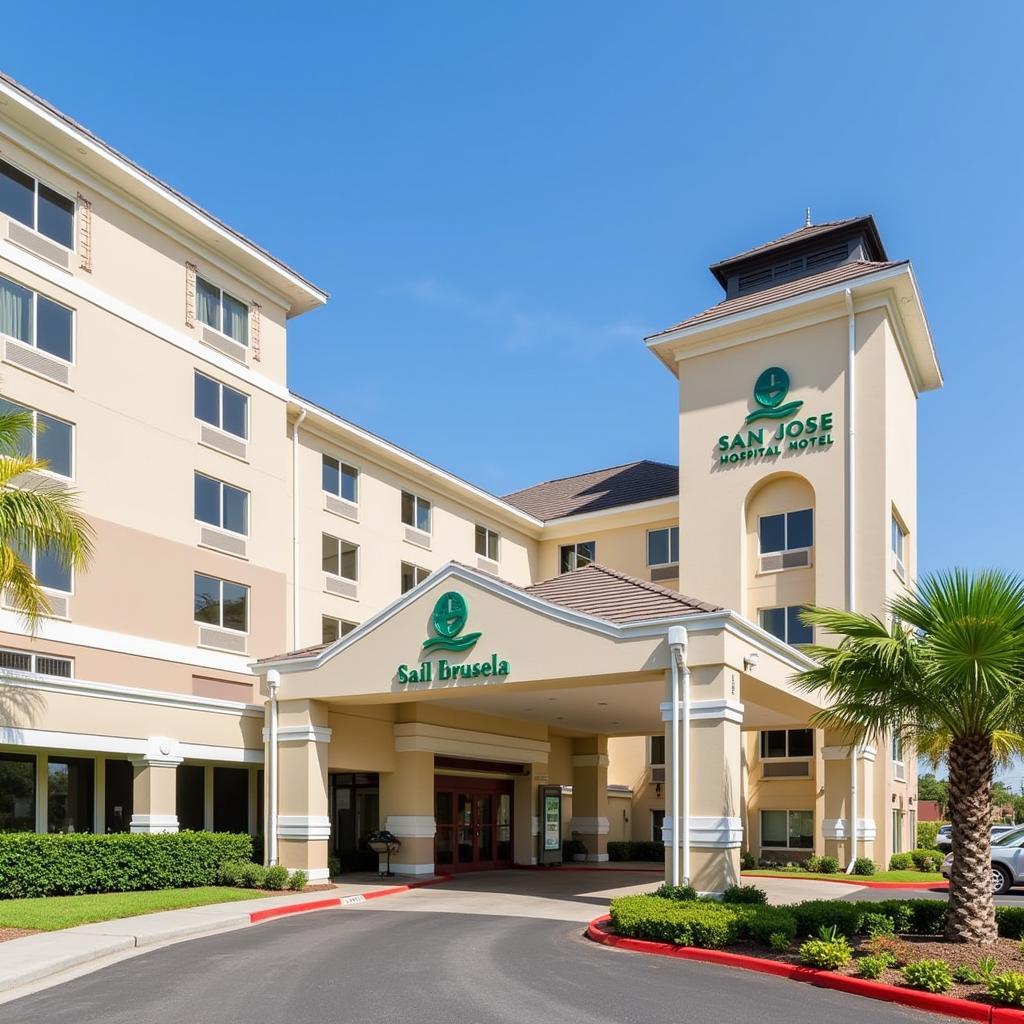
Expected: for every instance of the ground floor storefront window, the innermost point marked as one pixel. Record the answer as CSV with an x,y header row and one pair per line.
x,y
355,813
17,793
787,830
474,823
118,795
70,789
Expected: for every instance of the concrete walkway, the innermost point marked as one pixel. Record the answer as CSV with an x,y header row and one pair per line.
x,y
57,956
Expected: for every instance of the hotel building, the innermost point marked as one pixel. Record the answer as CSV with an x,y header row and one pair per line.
x,y
458,666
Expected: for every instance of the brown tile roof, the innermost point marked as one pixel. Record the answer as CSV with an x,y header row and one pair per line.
x,y
844,272
599,490
609,594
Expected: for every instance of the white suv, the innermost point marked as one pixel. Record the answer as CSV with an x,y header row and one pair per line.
x,y
1007,859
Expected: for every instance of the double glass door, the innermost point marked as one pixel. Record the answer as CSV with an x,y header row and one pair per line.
x,y
474,823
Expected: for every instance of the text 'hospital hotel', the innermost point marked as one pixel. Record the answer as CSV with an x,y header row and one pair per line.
x,y
295,628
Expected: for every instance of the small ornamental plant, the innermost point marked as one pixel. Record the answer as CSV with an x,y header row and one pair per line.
x,y
877,924
829,951
747,861
929,975
901,862
1007,989
864,866
276,877
749,894
779,942
874,965
828,865
298,880
682,893
895,949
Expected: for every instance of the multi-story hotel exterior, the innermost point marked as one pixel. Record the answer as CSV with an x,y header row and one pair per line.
x,y
454,655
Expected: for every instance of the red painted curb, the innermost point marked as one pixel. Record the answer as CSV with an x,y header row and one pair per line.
x,y
852,880
926,1001
337,901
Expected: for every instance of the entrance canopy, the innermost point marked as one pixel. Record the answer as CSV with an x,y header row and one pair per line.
x,y
584,653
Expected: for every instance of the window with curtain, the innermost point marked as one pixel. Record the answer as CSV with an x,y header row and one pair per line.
x,y
35,320
222,312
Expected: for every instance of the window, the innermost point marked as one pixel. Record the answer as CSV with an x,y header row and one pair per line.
x,y
415,512
36,205
35,320
222,505
411,575
341,480
657,826
787,830
787,743
785,624
897,831
221,603
575,556
70,794
787,531
663,546
340,558
335,628
41,664
222,312
656,750
899,541
17,793
487,543
221,406
50,440
50,571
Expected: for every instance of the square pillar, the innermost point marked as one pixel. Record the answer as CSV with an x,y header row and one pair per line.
x,y
835,825
716,786
303,821
407,811
154,787
589,821
526,817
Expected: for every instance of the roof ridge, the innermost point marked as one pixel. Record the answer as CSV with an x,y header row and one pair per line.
x,y
816,228
591,472
654,588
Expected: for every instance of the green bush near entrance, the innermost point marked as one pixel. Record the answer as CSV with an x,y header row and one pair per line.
x,y
926,833
636,851
64,865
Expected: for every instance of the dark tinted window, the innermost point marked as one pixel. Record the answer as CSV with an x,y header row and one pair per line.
x,y
236,509
17,194
207,400
234,412
17,793
51,572
236,607
772,533
56,217
800,529
773,743
53,443
207,600
774,621
798,633
332,478
53,330
801,742
207,500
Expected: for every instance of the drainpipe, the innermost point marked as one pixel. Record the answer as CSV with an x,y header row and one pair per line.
x,y
295,528
851,534
273,682
681,773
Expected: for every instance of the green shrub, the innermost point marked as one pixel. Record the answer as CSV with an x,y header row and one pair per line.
x,y
779,942
645,850
1007,989
926,860
682,893
813,915
749,894
829,951
79,862
828,865
1010,922
759,924
812,864
231,871
572,847
926,833
747,860
705,925
964,974
930,975
901,862
298,880
896,951
873,925
252,876
275,877
334,866
864,866
874,965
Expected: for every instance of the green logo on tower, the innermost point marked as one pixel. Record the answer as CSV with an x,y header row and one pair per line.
x,y
770,390
450,614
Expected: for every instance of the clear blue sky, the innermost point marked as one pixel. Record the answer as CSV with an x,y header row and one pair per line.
x,y
503,199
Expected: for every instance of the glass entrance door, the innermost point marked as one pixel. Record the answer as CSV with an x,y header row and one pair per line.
x,y
474,823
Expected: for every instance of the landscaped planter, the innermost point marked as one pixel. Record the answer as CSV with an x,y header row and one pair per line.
x,y
764,962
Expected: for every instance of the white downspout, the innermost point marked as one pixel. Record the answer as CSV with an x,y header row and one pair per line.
x,y
681,771
295,528
851,533
273,682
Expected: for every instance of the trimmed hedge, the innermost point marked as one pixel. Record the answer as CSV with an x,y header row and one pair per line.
x,y
636,851
66,865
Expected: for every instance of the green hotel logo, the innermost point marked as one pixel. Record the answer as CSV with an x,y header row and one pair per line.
x,y
451,612
770,390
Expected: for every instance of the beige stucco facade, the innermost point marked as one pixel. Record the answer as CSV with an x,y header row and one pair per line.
x,y
131,710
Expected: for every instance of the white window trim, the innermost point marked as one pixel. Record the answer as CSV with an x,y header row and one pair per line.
x,y
488,533
33,344
52,590
786,549
575,550
220,407
650,752
339,623
415,513
788,811
778,607
787,756
899,560
337,575
662,529
220,625
218,526
34,657
342,463
35,437
417,569
73,200
220,309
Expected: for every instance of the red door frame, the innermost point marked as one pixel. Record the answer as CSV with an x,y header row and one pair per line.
x,y
474,787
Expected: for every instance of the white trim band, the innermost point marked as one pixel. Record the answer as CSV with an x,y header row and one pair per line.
x,y
707,710
408,869
411,826
842,753
300,734
303,826
590,760
839,828
725,833
589,826
151,823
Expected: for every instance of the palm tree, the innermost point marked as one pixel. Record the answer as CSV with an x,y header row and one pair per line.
x,y
36,515
951,664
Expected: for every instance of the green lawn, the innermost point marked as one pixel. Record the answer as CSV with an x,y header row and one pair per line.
x,y
49,913
878,876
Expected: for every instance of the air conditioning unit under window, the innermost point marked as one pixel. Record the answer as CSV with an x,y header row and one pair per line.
x,y
785,769
779,560
658,773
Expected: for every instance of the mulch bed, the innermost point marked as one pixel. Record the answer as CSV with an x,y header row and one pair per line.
x,y
1006,953
15,933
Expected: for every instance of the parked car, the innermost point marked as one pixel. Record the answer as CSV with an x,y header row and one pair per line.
x,y
1007,858
944,837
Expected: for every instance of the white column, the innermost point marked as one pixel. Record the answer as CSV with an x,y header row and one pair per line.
x,y
42,792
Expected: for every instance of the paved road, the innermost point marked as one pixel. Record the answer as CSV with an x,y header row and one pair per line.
x,y
469,953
